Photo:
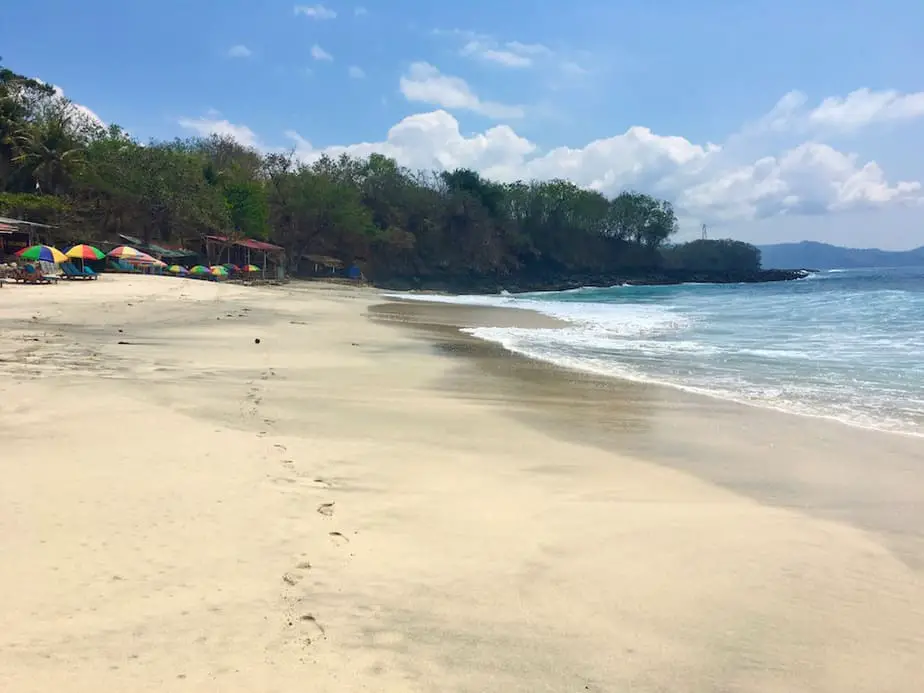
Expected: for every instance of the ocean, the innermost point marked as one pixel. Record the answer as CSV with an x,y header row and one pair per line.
x,y
841,344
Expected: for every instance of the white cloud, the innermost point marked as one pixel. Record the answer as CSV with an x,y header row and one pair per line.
x,y
857,110
486,48
239,51
214,126
356,72
315,11
706,181
864,107
507,58
319,53
424,83
78,111
360,12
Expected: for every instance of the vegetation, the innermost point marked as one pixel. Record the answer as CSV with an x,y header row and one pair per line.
x,y
452,229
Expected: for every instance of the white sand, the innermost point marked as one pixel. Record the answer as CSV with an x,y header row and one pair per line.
x,y
160,526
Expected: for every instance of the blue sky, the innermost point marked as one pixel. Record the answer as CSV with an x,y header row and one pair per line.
x,y
503,86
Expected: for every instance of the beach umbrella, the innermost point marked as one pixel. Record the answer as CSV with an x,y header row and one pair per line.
x,y
129,254
177,269
124,252
219,271
43,253
231,267
85,252
199,270
250,268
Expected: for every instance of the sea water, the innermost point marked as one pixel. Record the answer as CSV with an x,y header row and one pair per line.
x,y
841,344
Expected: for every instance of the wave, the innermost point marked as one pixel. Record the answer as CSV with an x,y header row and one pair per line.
x,y
847,354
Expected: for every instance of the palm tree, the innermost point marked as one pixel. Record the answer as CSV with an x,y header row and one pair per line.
x,y
50,149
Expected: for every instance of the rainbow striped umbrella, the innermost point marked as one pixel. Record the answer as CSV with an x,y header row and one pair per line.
x,y
177,269
231,267
42,253
85,252
250,268
125,252
199,270
218,271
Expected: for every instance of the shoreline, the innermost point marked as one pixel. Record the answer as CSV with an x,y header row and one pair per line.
x,y
679,441
544,321
370,505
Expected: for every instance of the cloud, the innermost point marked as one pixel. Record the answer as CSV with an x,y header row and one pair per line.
x,y
707,182
360,12
851,113
507,58
315,11
77,111
215,126
239,51
486,48
356,72
865,107
319,53
424,83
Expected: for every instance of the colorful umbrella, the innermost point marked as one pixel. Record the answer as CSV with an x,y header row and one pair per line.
x,y
124,252
177,269
219,271
85,252
250,268
231,267
199,270
43,253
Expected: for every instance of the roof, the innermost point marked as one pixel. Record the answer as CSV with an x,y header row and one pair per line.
x,y
17,222
248,243
157,249
326,260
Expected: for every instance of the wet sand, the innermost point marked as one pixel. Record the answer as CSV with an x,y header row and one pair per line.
x,y
356,504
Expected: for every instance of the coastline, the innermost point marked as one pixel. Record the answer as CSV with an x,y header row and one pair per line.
x,y
402,507
679,429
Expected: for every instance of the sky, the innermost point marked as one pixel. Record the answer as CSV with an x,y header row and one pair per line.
x,y
767,121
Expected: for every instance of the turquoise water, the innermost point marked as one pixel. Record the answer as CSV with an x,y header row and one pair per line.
x,y
847,345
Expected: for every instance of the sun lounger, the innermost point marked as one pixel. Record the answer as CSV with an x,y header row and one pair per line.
x,y
31,275
71,271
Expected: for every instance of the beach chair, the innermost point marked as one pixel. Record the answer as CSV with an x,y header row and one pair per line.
x,y
71,271
89,273
30,274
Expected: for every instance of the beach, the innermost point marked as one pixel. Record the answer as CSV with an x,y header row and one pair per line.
x,y
215,487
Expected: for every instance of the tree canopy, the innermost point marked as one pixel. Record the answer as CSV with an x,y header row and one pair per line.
x,y
417,228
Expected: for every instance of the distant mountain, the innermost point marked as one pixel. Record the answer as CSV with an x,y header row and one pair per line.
x,y
822,256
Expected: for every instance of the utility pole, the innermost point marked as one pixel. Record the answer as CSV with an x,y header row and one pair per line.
x,y
705,235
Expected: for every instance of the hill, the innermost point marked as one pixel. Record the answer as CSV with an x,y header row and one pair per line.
x,y
824,256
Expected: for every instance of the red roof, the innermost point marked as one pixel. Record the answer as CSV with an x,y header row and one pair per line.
x,y
247,243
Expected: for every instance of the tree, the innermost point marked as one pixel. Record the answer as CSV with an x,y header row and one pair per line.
x,y
450,228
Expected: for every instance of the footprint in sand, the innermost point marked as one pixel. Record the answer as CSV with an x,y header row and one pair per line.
x,y
310,618
291,579
326,509
338,538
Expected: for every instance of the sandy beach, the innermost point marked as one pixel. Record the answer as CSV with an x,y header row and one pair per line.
x,y
368,500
